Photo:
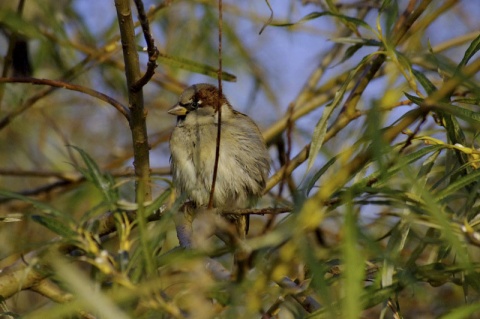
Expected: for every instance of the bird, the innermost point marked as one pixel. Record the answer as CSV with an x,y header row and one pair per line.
x,y
244,160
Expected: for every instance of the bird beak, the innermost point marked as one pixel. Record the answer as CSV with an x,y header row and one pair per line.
x,y
178,110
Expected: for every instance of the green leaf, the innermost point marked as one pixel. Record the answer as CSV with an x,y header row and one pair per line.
x,y
15,23
461,112
321,128
362,41
55,225
196,67
354,273
45,208
472,49
151,208
315,15
450,109
93,174
404,162
311,182
415,99
351,51
458,184
463,312
424,81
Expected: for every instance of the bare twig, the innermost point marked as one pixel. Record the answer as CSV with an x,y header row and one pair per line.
x,y
219,107
73,87
138,125
151,48
260,211
270,19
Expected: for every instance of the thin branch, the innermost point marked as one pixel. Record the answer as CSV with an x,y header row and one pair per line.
x,y
72,87
270,19
138,125
135,98
259,211
98,56
219,107
151,48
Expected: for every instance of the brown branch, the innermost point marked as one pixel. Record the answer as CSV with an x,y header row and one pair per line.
x,y
270,19
97,55
72,87
219,107
259,211
72,176
138,114
66,180
151,48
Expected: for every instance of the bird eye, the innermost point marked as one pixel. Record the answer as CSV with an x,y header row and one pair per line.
x,y
196,104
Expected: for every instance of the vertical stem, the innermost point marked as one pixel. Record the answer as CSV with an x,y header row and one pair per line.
x,y
137,123
135,97
219,107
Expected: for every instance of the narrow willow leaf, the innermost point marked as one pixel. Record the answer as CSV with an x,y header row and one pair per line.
x,y
395,245
424,81
311,182
389,10
195,67
462,312
454,131
415,99
428,165
466,100
472,49
350,52
321,127
151,208
15,22
458,184
461,112
45,208
450,109
315,15
365,42
93,174
354,263
403,162
55,225
443,221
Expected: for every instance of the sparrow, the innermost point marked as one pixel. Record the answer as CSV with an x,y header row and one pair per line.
x,y
244,161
